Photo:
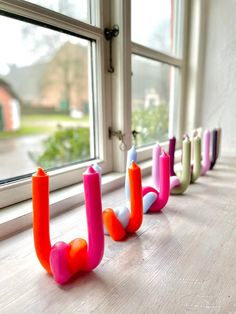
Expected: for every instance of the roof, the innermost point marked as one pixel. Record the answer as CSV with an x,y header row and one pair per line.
x,y
8,88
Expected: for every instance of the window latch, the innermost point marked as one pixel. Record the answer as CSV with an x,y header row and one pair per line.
x,y
135,133
110,33
118,134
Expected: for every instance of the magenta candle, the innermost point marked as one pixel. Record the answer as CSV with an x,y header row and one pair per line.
x,y
156,152
93,206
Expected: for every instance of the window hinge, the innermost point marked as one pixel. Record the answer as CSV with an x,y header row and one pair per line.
x,y
110,33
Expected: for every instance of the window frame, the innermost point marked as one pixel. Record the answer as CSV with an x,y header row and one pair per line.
x,y
20,190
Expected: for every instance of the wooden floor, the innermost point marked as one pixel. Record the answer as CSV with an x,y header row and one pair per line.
x,y
181,261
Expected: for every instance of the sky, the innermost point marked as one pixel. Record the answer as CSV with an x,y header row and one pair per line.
x,y
15,49
145,20
19,50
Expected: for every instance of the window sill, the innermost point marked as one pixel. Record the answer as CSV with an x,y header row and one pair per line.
x,y
18,217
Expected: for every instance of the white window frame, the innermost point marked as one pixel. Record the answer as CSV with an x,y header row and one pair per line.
x,y
20,190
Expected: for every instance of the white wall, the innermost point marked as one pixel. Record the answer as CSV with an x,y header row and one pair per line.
x,y
218,95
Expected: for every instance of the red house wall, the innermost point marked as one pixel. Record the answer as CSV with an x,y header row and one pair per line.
x,y
5,101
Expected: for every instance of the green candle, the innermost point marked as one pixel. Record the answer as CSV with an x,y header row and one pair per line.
x,y
196,159
186,172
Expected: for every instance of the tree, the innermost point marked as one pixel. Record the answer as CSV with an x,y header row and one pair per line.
x,y
66,76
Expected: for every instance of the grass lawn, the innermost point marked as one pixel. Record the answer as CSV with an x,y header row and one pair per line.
x,y
41,124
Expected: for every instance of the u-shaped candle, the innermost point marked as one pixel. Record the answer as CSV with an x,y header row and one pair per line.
x,y
161,180
112,223
196,170
65,260
179,186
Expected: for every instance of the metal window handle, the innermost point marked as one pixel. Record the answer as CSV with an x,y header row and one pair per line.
x,y
135,133
118,134
110,33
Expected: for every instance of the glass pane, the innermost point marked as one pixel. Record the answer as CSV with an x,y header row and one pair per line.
x,y
77,9
46,108
157,24
153,85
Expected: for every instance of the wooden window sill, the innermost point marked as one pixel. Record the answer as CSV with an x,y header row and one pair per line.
x,y
181,260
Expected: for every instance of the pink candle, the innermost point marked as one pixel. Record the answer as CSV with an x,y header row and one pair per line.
x,y
206,161
163,164
156,152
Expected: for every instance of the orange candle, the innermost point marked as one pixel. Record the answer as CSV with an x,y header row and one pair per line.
x,y
136,199
40,197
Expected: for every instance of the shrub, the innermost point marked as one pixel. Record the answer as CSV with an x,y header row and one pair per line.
x,y
151,123
65,146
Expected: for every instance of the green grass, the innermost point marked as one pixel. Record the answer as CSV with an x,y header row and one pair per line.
x,y
43,124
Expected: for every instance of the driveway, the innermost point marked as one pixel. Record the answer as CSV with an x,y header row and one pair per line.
x,y
14,155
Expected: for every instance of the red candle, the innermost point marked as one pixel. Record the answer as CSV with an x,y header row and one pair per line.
x,y
40,197
136,199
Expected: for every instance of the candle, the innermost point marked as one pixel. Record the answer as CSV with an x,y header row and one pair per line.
x,y
131,156
64,260
40,198
149,199
156,152
113,225
206,162
98,169
119,222
93,206
218,142
136,199
214,149
196,171
186,172
172,143
199,131
59,261
162,195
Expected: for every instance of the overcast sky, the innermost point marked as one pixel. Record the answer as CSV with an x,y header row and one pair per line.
x,y
15,49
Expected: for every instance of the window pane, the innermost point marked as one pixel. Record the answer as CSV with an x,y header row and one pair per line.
x,y
157,24
77,9
46,103
153,85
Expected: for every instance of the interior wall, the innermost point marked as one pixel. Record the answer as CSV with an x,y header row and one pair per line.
x,y
218,103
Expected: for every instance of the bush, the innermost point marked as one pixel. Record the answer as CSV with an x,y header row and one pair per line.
x,y
65,146
152,124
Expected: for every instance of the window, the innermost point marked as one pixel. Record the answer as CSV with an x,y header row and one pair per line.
x,y
157,67
51,94
49,105
58,99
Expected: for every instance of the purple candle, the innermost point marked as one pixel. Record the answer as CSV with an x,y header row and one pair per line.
x,y
172,142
